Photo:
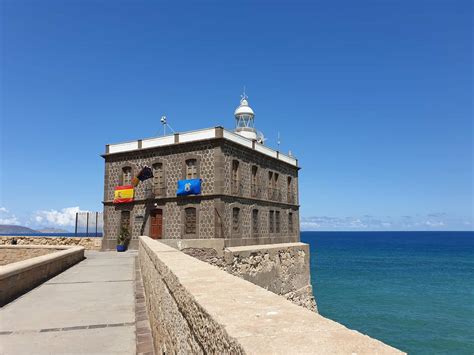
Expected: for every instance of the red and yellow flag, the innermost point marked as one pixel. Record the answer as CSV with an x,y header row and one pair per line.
x,y
123,194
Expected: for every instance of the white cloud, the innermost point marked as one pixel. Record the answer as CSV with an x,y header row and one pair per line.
x,y
432,221
63,218
7,218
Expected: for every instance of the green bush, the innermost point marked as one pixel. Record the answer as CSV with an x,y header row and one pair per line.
x,y
124,236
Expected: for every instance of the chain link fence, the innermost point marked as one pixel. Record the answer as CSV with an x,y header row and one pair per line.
x,y
89,224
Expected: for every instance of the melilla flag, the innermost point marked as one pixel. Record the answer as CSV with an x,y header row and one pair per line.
x,y
123,194
189,187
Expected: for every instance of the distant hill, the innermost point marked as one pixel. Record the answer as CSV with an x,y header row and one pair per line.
x,y
53,230
12,229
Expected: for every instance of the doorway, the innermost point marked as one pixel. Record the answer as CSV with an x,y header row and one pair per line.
x,y
156,224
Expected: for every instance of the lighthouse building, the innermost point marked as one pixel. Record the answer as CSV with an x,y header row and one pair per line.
x,y
247,193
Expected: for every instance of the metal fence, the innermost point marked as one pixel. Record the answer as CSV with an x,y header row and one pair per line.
x,y
89,224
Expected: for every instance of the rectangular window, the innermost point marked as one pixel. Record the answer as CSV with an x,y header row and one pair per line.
x,y
158,180
277,222
290,223
289,190
254,181
255,223
235,178
190,220
271,222
235,221
191,169
126,175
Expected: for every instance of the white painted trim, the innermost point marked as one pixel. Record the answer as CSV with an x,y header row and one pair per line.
x,y
123,147
287,159
157,142
237,139
202,134
265,150
193,136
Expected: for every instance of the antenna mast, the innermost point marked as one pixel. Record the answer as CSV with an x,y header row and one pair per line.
x,y
165,124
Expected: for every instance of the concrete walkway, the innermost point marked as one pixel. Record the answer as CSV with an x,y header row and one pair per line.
x,y
88,309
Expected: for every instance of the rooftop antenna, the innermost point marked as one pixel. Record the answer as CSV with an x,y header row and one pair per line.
x,y
165,124
278,141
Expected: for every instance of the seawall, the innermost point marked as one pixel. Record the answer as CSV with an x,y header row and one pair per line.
x,y
195,307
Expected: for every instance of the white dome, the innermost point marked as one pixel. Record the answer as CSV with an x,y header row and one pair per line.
x,y
244,109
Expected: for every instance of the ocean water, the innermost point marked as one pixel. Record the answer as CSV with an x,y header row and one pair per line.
x,y
412,290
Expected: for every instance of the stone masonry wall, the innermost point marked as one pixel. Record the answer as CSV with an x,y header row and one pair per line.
x,y
280,268
195,308
87,243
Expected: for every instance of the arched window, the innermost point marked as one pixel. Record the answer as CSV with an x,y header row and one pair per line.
x,y
190,220
236,221
126,175
158,179
191,169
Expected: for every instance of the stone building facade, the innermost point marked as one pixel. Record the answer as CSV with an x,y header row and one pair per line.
x,y
249,192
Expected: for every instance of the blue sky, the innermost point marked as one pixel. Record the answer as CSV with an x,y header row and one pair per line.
x,y
373,97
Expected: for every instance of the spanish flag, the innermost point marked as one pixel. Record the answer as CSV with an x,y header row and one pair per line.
x,y
123,194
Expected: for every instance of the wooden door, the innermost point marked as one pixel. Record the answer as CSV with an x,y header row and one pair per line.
x,y
156,224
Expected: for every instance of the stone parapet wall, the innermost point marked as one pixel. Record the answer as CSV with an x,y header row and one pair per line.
x,y
19,277
280,268
197,308
86,242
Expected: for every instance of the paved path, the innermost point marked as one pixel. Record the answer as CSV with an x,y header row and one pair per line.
x,y
89,309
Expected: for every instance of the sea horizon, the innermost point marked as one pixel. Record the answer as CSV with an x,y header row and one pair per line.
x,y
412,293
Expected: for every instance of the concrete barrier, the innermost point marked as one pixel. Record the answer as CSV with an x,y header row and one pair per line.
x,y
20,277
195,307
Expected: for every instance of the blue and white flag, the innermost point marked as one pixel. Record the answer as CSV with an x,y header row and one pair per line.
x,y
189,187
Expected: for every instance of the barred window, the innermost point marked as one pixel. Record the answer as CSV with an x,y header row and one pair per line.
x,y
236,221
191,169
190,220
158,179
126,175
271,221
277,221
255,222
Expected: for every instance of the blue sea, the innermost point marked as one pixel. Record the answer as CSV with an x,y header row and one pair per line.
x,y
411,290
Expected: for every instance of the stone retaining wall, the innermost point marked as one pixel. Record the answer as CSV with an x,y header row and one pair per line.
x,y
22,276
197,308
86,242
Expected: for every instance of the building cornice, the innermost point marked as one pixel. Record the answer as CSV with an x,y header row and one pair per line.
x,y
194,137
202,197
